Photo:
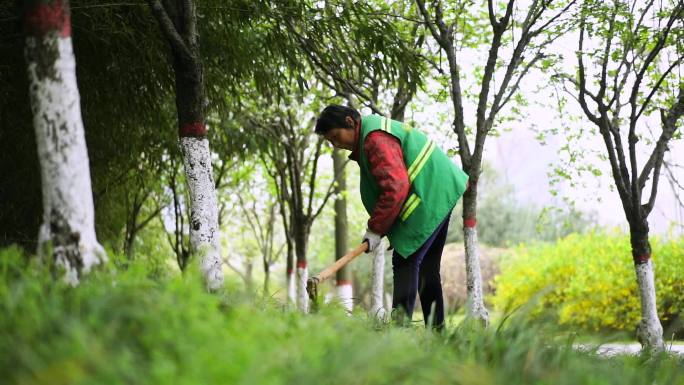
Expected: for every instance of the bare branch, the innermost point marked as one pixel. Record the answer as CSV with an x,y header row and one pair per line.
x,y
552,19
339,84
153,215
312,175
490,11
516,85
445,41
429,22
583,80
617,90
169,30
660,43
634,116
656,87
329,193
669,122
603,85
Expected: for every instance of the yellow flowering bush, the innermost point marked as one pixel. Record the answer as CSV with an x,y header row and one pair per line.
x,y
587,281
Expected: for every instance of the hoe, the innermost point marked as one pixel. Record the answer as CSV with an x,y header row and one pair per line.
x,y
312,283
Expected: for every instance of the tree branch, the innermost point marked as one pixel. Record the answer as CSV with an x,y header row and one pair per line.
x,y
669,122
169,30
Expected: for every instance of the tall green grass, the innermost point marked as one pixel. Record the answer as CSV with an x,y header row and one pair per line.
x,y
146,327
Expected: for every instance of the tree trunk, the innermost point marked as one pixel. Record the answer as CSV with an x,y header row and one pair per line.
x,y
68,229
291,287
267,278
377,309
129,248
178,22
649,329
475,307
345,291
301,236
249,276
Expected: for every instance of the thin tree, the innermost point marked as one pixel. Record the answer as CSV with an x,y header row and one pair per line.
x,y
531,34
67,235
625,80
178,238
178,22
291,160
343,276
141,205
262,225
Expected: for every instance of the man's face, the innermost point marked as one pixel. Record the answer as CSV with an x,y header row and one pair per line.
x,y
342,137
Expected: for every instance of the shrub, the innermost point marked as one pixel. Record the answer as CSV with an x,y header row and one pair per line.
x,y
588,281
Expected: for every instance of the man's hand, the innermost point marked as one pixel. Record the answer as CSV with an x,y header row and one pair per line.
x,y
373,240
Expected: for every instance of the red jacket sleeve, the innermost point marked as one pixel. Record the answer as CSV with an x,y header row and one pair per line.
x,y
386,159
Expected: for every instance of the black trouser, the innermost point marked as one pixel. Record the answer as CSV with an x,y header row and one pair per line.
x,y
420,273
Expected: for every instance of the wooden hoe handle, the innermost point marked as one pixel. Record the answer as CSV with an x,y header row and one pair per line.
x,y
312,283
332,269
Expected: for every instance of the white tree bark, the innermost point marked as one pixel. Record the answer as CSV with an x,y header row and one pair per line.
x,y
291,288
649,330
377,310
302,294
345,294
204,231
475,304
67,232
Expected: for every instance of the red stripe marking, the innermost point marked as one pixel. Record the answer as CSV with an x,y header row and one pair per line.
x,y
470,222
44,18
343,282
301,264
289,271
196,130
642,259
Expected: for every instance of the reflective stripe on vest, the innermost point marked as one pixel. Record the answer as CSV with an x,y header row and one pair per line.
x,y
421,160
411,203
385,124
414,169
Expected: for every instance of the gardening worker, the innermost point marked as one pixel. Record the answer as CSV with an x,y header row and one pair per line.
x,y
409,187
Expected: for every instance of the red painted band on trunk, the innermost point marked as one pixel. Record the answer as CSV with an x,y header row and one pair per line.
x,y
470,222
194,130
301,264
46,18
344,282
289,271
642,259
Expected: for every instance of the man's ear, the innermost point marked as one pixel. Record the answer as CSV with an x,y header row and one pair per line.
x,y
350,121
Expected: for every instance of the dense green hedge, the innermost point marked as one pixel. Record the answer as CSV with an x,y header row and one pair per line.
x,y
138,326
588,281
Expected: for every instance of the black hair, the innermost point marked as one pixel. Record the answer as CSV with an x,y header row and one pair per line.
x,y
333,116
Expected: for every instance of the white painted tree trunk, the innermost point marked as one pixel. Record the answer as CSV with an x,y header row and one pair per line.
x,y
388,300
302,295
204,231
475,303
377,310
291,288
67,233
345,294
649,330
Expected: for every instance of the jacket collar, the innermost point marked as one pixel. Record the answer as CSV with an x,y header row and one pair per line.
x,y
355,153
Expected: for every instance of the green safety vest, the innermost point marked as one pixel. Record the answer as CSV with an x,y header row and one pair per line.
x,y
436,184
